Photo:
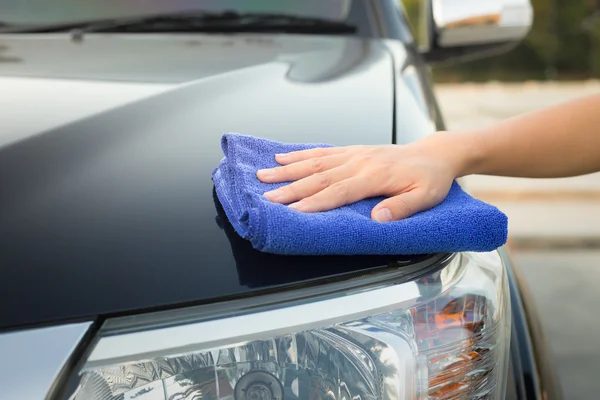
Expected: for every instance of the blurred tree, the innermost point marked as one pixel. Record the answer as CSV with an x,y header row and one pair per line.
x,y
542,38
574,41
591,25
413,10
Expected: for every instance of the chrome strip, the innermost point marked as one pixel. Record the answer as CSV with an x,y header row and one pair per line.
x,y
32,359
200,336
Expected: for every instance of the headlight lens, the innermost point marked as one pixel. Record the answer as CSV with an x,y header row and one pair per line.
x,y
444,336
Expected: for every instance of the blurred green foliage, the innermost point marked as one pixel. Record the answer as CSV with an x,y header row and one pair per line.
x,y
563,44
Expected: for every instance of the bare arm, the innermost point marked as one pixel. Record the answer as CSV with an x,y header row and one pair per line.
x,y
563,140
559,141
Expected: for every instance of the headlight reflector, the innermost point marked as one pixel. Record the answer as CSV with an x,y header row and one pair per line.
x,y
442,336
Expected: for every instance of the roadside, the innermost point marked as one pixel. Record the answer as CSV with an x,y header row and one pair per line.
x,y
554,229
563,284
543,213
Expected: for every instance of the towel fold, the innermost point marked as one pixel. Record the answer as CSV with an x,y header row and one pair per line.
x,y
459,223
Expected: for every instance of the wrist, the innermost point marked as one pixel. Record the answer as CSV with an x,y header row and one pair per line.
x,y
461,150
471,152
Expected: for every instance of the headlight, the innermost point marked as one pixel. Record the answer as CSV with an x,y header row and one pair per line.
x,y
442,336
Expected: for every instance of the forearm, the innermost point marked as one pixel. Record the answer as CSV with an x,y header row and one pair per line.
x,y
559,141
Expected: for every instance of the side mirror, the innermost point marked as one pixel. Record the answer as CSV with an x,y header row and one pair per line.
x,y
461,30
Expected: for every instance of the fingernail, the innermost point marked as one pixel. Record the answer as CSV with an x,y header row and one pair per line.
x,y
383,215
281,156
265,173
298,206
274,194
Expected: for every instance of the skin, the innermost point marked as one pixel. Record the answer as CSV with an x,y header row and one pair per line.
x,y
560,141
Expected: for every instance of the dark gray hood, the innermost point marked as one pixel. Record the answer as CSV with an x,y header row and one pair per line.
x,y
107,148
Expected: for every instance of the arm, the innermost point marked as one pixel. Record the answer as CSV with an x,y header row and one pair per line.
x,y
559,141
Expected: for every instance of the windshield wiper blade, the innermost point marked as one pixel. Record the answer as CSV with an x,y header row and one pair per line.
x,y
4,24
198,22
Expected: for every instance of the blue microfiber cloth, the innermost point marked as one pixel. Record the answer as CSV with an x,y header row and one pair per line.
x,y
459,223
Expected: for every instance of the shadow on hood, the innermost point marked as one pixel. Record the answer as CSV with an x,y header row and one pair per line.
x,y
258,269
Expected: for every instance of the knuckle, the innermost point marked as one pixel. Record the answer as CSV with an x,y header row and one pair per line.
x,y
323,180
368,184
434,194
289,190
367,160
317,164
281,172
342,191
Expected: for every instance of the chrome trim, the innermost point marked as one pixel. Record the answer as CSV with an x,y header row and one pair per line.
x,y
32,359
206,335
471,22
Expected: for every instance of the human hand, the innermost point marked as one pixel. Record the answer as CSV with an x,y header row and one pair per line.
x,y
413,177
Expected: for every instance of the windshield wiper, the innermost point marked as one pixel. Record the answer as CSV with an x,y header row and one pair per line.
x,y
228,21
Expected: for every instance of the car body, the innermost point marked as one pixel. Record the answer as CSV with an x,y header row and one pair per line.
x,y
107,211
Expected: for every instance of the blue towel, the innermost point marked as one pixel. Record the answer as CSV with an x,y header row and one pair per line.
x,y
459,223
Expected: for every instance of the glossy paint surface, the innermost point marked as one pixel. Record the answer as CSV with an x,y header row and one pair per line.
x,y
107,204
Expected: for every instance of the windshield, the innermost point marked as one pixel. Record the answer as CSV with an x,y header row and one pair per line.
x,y
43,12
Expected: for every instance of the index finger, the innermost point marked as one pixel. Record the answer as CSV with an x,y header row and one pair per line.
x,y
301,155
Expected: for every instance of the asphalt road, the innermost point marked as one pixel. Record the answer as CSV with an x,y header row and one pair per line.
x,y
565,286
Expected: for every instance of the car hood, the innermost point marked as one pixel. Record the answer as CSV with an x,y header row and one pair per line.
x,y
106,153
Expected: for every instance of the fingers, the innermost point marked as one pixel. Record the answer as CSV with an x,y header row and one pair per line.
x,y
301,169
339,194
402,206
302,155
308,186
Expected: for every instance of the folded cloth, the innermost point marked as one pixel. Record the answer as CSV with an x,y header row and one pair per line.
x,y
459,223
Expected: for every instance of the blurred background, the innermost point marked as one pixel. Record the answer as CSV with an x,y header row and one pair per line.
x,y
554,224
564,44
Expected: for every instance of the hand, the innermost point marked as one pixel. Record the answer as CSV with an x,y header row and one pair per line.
x,y
414,177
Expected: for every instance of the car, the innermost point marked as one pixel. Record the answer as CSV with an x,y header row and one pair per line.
x,y
123,278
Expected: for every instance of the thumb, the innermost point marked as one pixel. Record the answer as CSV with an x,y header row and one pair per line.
x,y
401,206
